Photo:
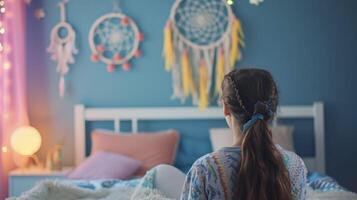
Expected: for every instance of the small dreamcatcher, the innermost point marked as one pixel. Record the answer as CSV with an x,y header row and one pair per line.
x,y
114,39
63,48
199,35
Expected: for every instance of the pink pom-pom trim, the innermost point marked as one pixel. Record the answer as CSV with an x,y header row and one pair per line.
x,y
140,37
125,21
126,66
110,68
117,57
137,53
95,57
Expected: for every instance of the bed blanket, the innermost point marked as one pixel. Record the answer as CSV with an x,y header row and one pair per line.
x,y
54,190
330,195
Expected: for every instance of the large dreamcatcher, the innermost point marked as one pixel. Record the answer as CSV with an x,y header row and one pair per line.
x,y
114,39
202,40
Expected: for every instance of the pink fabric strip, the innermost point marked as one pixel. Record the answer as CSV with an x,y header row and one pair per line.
x,y
13,108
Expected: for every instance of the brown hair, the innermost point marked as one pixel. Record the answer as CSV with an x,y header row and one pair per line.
x,y
262,174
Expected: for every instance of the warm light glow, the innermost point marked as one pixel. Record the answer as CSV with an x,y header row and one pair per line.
x,y
4,149
2,30
2,3
7,65
26,141
2,10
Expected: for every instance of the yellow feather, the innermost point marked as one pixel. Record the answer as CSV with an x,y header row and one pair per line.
x,y
234,44
240,34
203,90
237,41
168,47
186,74
219,71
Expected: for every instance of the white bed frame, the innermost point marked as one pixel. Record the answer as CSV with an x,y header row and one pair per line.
x,y
83,114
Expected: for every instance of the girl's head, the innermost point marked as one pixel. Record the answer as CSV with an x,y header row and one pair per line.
x,y
248,92
250,99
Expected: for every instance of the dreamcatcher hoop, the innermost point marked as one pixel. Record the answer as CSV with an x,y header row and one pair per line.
x,y
230,17
56,30
114,39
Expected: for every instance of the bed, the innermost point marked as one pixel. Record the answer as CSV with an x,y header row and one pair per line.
x,y
320,185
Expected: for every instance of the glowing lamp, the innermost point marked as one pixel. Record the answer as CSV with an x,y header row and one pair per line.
x,y
26,141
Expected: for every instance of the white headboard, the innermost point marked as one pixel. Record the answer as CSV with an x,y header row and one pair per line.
x,y
83,114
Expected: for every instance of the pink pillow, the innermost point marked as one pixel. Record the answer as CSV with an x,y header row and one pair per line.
x,y
106,165
150,149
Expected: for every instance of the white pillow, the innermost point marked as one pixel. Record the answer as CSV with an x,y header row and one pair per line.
x,y
220,137
282,135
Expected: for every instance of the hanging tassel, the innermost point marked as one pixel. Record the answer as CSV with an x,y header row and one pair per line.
x,y
237,40
168,47
203,91
240,34
234,44
219,71
186,74
241,43
61,86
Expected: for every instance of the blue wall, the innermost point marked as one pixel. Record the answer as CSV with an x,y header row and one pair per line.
x,y
309,46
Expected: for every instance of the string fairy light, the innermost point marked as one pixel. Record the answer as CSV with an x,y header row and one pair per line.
x,y
230,2
253,2
4,149
2,28
5,65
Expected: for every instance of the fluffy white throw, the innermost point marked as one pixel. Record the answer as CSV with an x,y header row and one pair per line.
x,y
55,190
331,195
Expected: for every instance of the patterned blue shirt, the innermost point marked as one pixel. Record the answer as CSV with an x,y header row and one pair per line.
x,y
214,175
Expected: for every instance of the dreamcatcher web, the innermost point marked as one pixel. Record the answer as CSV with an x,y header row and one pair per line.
x,y
115,37
201,22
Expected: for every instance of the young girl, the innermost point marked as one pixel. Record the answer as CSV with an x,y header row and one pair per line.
x,y
253,168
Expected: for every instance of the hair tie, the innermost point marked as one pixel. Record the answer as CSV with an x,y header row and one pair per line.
x,y
252,121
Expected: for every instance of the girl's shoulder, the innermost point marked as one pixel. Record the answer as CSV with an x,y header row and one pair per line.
x,y
290,158
293,162
224,156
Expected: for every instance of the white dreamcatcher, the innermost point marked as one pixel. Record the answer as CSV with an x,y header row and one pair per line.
x,y
114,39
63,49
202,40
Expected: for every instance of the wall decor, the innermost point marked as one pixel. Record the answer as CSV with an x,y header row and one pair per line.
x,y
114,39
62,48
256,2
202,40
253,2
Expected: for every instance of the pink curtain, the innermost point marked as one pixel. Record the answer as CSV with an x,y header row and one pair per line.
x,y
13,110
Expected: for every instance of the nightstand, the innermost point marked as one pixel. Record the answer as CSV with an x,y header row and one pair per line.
x,y
21,180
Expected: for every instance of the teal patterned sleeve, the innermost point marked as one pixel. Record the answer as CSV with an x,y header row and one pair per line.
x,y
194,187
298,175
302,182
